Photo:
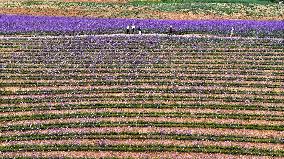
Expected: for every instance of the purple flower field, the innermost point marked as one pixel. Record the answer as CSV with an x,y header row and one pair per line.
x,y
11,24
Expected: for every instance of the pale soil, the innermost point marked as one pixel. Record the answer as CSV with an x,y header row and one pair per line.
x,y
140,155
144,110
144,119
166,142
142,80
148,86
175,130
129,96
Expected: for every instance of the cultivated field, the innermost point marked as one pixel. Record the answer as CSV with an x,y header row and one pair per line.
x,y
141,96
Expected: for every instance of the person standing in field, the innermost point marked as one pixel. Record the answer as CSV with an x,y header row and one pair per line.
x,y
133,28
171,30
127,29
139,30
232,32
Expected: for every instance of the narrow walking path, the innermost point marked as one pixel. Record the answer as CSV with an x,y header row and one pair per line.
x,y
110,35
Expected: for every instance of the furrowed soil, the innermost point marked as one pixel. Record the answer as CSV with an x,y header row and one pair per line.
x,y
217,100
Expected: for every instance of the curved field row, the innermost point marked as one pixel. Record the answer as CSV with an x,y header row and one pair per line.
x,y
246,113
72,105
120,155
77,81
141,142
138,89
150,97
140,122
133,117
161,134
237,133
148,147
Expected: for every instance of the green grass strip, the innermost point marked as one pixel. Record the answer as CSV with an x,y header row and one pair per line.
x,y
147,148
137,135
140,124
158,106
143,114
140,98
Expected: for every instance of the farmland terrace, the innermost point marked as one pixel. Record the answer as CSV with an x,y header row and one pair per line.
x,y
155,96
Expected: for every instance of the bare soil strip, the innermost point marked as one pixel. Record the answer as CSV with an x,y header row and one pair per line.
x,y
144,119
148,86
50,104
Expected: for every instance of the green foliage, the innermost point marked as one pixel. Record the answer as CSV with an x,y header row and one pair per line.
x,y
148,148
137,135
200,1
151,114
140,124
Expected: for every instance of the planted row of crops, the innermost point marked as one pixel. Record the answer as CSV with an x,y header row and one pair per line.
x,y
52,87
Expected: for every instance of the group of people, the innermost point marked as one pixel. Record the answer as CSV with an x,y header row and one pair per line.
x,y
132,30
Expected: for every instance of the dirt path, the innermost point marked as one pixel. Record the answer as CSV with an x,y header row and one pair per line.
x,y
133,35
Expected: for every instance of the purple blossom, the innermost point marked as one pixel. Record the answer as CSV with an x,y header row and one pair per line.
x,y
23,23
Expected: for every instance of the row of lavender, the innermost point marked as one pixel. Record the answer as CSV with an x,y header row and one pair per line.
x,y
11,24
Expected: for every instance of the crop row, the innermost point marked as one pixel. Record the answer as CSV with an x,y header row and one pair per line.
x,y
105,82
144,56
148,148
143,90
131,66
158,106
145,97
157,52
105,69
139,70
111,65
175,75
190,63
153,51
144,41
140,124
138,135
52,50
245,58
143,114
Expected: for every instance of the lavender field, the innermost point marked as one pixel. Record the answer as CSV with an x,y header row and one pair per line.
x,y
48,25
82,88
